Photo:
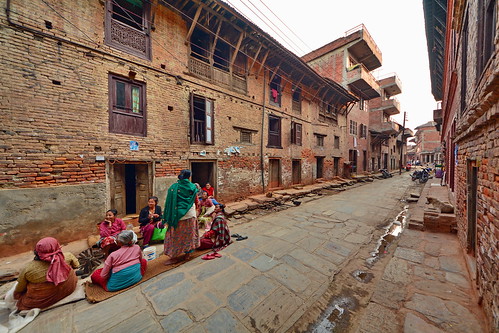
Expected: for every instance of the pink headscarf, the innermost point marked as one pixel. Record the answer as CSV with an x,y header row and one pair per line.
x,y
48,249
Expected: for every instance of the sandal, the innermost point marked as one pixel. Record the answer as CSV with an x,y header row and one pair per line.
x,y
236,235
216,255
240,238
208,256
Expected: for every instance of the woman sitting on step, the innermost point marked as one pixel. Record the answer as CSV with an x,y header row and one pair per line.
x,y
109,229
218,237
123,267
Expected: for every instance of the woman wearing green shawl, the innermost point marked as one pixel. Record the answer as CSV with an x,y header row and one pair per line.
x,y
182,236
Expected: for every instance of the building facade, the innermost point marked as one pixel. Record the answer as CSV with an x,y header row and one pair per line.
x,y
108,100
428,146
464,63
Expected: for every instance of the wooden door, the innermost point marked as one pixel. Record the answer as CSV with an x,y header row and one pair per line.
x,y
472,180
142,191
320,166
274,173
296,171
118,193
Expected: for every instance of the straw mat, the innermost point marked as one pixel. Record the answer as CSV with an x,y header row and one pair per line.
x,y
154,267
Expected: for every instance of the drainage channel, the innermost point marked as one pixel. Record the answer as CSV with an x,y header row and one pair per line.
x,y
336,317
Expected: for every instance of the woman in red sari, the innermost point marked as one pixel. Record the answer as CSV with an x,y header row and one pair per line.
x,y
109,230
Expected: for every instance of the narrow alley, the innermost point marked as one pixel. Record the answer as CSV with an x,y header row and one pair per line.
x,y
317,267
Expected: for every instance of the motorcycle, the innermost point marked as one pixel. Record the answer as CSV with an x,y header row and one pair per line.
x,y
423,175
385,174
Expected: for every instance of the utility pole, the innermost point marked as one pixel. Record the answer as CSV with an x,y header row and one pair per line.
x,y
402,146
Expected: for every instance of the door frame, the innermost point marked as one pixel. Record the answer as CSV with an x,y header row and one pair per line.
x,y
471,206
214,180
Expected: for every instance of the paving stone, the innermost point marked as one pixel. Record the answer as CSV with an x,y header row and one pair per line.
x,y
214,298
432,262
162,282
446,314
56,320
451,264
439,289
141,322
290,277
320,264
294,235
223,321
244,254
87,319
176,321
333,257
273,312
247,296
262,285
211,267
338,247
277,248
232,278
457,279
409,254
356,238
310,244
396,271
264,263
199,306
432,249
166,300
389,294
414,324
428,273
378,318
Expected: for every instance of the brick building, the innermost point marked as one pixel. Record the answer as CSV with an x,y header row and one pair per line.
x,y
464,63
108,100
428,146
371,140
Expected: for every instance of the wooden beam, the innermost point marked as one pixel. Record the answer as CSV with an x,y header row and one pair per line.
x,y
234,55
263,63
212,51
254,59
274,72
193,25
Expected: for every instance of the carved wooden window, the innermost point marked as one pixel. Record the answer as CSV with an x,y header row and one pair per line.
x,y
127,106
127,26
296,103
353,127
201,120
275,91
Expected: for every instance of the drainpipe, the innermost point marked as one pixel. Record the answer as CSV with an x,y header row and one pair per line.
x,y
261,136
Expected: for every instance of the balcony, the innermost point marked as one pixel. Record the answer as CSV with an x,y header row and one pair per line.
x,y
389,106
437,116
217,76
391,85
361,81
364,49
386,128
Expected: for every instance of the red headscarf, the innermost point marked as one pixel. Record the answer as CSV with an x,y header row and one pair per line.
x,y
48,249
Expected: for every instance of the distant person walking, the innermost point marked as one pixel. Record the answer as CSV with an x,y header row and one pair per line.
x,y
182,236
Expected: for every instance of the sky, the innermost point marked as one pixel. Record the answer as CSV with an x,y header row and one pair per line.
x,y
397,27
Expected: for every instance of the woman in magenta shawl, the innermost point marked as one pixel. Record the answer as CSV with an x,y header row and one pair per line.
x,y
182,236
48,278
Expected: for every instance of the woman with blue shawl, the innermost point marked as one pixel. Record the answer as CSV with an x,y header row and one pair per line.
x,y
182,236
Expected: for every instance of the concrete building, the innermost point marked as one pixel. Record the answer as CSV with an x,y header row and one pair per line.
x,y
371,140
464,64
428,147
108,100
349,60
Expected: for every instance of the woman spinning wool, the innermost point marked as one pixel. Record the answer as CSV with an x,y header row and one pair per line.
x,y
182,236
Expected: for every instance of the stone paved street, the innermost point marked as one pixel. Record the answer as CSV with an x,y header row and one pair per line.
x,y
285,275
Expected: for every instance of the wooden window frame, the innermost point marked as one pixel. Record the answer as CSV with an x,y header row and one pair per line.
x,y
336,143
353,127
296,133
209,121
275,135
127,30
118,113
319,140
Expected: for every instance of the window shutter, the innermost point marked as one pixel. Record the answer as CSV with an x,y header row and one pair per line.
x,y
293,132
209,121
191,111
298,134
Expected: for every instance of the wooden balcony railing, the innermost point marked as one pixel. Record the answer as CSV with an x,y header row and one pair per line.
x,y
217,76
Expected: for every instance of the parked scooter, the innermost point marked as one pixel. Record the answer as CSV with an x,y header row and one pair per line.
x,y
385,174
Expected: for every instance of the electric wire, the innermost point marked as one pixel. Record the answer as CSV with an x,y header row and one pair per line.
x,y
321,101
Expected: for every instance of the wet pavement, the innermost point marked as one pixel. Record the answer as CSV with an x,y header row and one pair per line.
x,y
305,268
